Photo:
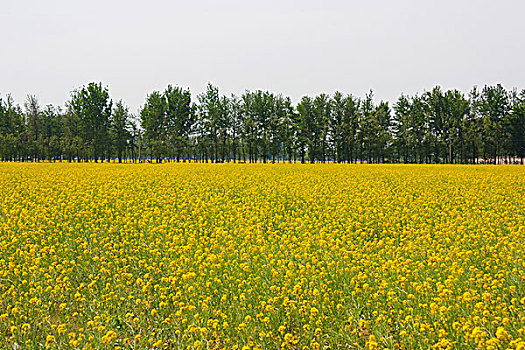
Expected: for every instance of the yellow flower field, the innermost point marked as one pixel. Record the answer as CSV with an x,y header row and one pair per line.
x,y
293,256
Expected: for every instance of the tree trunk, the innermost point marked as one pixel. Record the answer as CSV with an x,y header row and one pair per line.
x,y
450,151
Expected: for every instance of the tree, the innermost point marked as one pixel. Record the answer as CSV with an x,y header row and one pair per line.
x,y
262,105
135,141
11,130
493,105
402,126
336,125
436,108
179,119
517,126
153,120
120,124
236,125
350,126
419,136
52,133
210,113
224,126
321,113
457,108
305,127
382,118
92,106
71,142
33,121
365,133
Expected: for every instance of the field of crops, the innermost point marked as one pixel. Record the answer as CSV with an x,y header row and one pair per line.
x,y
293,256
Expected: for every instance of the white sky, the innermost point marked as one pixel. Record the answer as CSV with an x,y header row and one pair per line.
x,y
48,48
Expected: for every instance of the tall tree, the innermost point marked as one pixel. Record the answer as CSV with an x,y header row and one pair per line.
x,y
305,128
457,108
419,135
52,132
402,127
92,106
12,128
210,121
321,113
249,126
350,126
120,125
71,143
236,125
153,120
179,119
517,126
365,132
262,109
33,121
493,105
336,124
436,109
383,130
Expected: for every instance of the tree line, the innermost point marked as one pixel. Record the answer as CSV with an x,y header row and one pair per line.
x,y
485,126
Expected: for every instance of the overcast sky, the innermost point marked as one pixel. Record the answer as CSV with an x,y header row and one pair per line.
x,y
49,48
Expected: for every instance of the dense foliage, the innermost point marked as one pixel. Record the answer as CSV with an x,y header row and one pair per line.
x,y
437,126
226,256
